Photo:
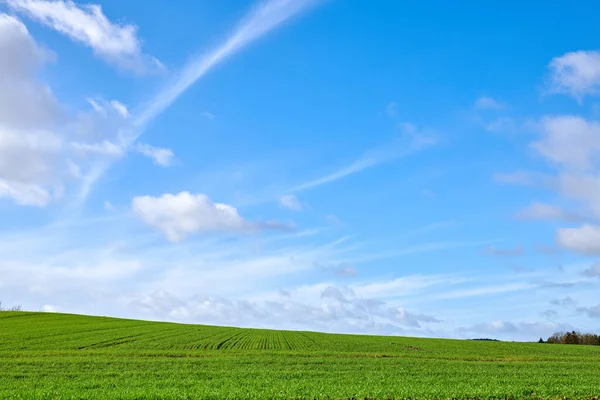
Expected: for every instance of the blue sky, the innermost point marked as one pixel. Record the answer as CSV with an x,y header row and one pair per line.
x,y
413,168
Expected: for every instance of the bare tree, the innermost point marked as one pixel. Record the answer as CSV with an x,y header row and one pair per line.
x,y
575,337
13,308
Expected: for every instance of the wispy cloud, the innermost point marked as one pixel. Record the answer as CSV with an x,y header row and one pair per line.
x,y
116,43
291,202
576,74
488,103
373,158
593,271
541,211
509,252
485,291
261,20
392,109
420,249
160,156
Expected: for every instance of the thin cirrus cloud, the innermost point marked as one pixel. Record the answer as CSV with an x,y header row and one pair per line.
x,y
505,252
118,44
541,211
488,103
411,142
261,20
291,202
593,271
160,156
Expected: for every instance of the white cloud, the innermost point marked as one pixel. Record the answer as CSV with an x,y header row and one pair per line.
x,y
261,20
592,312
24,194
207,115
540,211
45,148
160,156
576,74
593,271
104,148
120,108
581,187
290,202
112,265
97,107
585,239
29,116
180,215
488,103
570,141
330,309
572,144
87,24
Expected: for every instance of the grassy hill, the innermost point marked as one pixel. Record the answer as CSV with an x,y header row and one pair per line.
x,y
45,355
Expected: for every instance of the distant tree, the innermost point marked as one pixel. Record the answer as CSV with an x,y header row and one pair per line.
x,y
570,338
574,337
541,340
555,338
588,339
13,308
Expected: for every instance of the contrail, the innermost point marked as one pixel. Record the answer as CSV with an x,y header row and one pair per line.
x,y
261,20
375,157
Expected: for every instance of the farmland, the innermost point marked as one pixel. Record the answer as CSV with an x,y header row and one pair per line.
x,y
45,355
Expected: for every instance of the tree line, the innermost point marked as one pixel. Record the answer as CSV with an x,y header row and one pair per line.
x,y
573,337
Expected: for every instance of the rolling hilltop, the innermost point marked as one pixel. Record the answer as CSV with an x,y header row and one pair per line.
x,y
47,355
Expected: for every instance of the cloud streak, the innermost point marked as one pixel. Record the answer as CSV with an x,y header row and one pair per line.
x,y
373,158
116,43
261,20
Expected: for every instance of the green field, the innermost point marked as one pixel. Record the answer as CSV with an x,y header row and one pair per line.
x,y
45,355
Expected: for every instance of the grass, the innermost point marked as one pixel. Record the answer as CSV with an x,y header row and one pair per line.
x,y
66,356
